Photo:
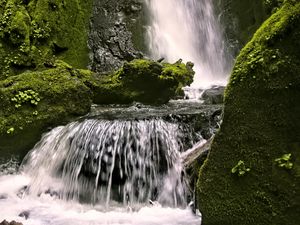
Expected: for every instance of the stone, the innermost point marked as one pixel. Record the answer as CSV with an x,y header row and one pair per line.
x,y
214,95
260,131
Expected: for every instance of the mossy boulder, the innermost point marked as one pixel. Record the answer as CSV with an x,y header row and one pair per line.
x,y
252,174
31,102
33,34
144,81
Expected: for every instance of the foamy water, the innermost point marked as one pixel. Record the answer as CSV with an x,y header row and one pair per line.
x,y
69,177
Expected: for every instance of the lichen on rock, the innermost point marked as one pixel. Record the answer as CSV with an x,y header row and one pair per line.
x,y
261,124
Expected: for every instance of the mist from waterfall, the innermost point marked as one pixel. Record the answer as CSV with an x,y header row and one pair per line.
x,y
188,29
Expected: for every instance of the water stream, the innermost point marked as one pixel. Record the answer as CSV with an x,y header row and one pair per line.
x,y
189,30
100,172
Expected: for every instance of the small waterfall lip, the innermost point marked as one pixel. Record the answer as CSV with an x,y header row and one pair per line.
x,y
101,161
138,111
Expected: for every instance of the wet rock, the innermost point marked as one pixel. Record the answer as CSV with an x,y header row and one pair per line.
x,y
3,196
24,214
116,35
214,95
4,222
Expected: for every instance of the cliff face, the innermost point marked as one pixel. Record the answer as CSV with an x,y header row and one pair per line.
x,y
117,33
252,172
240,19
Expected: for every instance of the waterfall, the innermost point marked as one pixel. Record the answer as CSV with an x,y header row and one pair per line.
x,y
102,161
188,29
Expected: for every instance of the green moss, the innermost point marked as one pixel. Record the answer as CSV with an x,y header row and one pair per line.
x,y
285,161
43,99
35,33
261,122
144,81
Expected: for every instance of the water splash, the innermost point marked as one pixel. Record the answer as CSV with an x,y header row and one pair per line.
x,y
188,29
101,161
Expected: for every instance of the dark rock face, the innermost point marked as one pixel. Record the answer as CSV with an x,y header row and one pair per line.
x,y
116,35
260,133
241,19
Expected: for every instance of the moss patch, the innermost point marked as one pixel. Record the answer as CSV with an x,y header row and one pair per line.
x,y
144,81
34,33
261,124
31,102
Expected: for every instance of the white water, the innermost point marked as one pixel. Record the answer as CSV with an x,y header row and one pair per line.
x,y
68,178
188,29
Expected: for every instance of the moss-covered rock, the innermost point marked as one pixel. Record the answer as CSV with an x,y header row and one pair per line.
x,y
33,101
248,177
34,33
144,81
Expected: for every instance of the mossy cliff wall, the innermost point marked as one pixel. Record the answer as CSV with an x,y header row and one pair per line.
x,y
241,18
33,33
261,124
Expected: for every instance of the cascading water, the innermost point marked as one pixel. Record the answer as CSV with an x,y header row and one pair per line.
x,y
188,29
101,172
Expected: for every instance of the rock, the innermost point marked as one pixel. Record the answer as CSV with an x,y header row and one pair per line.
x,y
117,33
240,27
144,81
4,222
33,101
24,214
214,95
260,132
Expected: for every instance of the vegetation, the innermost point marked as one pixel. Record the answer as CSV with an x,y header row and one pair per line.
x,y
261,122
240,169
285,161
143,80
33,34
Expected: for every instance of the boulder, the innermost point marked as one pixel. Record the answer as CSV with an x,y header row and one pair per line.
x,y
31,102
252,172
144,81
213,95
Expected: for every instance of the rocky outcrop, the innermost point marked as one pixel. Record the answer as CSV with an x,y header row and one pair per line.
x,y
252,172
116,33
